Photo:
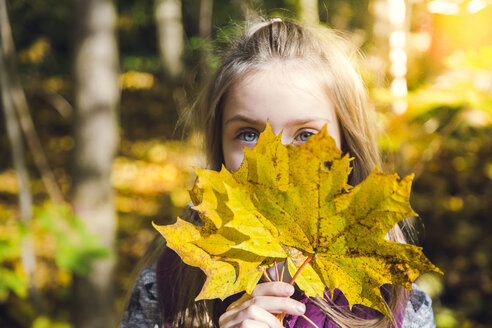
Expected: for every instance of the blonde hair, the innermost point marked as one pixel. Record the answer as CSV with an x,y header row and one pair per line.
x,y
326,53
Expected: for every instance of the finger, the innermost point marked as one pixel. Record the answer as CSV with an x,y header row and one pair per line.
x,y
275,305
255,314
240,301
271,304
268,304
275,288
241,319
253,324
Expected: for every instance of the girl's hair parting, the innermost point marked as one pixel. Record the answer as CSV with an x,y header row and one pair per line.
x,y
326,54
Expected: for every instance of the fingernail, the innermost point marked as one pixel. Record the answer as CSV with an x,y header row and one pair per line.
x,y
301,308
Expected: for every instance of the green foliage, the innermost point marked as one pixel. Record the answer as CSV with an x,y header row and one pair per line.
x,y
196,43
474,60
12,277
45,322
12,281
445,137
141,63
461,97
76,247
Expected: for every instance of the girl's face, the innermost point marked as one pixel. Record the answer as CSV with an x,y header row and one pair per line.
x,y
293,102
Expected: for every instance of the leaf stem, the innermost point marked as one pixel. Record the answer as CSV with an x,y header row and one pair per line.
x,y
301,267
266,275
283,270
276,270
310,321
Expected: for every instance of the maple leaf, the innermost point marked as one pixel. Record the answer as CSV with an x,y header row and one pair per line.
x,y
211,246
295,203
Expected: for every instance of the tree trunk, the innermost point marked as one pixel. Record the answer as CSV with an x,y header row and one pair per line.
x,y
308,11
398,19
247,9
205,20
21,107
170,32
96,137
9,87
205,33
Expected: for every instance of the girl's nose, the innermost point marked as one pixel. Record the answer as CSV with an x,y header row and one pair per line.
x,y
279,129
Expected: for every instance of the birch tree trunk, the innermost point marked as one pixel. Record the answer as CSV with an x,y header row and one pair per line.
x,y
205,32
10,87
308,11
19,102
205,20
95,132
170,32
398,19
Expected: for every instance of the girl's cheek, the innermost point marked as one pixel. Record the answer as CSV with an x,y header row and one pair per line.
x,y
234,158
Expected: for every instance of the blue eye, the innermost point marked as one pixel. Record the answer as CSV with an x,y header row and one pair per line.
x,y
248,136
304,136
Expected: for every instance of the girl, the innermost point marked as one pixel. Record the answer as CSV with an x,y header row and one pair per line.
x,y
299,79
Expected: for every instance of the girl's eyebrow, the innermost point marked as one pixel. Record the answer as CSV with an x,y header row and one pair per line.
x,y
302,121
299,121
243,118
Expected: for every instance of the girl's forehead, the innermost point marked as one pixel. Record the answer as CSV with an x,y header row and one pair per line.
x,y
281,79
280,95
287,71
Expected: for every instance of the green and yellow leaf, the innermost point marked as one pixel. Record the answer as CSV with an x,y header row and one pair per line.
x,y
289,203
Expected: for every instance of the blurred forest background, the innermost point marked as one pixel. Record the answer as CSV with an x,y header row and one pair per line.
x,y
91,153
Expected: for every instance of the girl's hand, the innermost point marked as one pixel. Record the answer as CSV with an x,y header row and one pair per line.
x,y
258,309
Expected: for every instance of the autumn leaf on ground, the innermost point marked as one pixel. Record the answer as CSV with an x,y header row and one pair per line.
x,y
294,203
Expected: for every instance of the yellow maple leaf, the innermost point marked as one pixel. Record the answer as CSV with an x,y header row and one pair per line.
x,y
294,203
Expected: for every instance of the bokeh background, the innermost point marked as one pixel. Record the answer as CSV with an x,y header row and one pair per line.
x,y
91,152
